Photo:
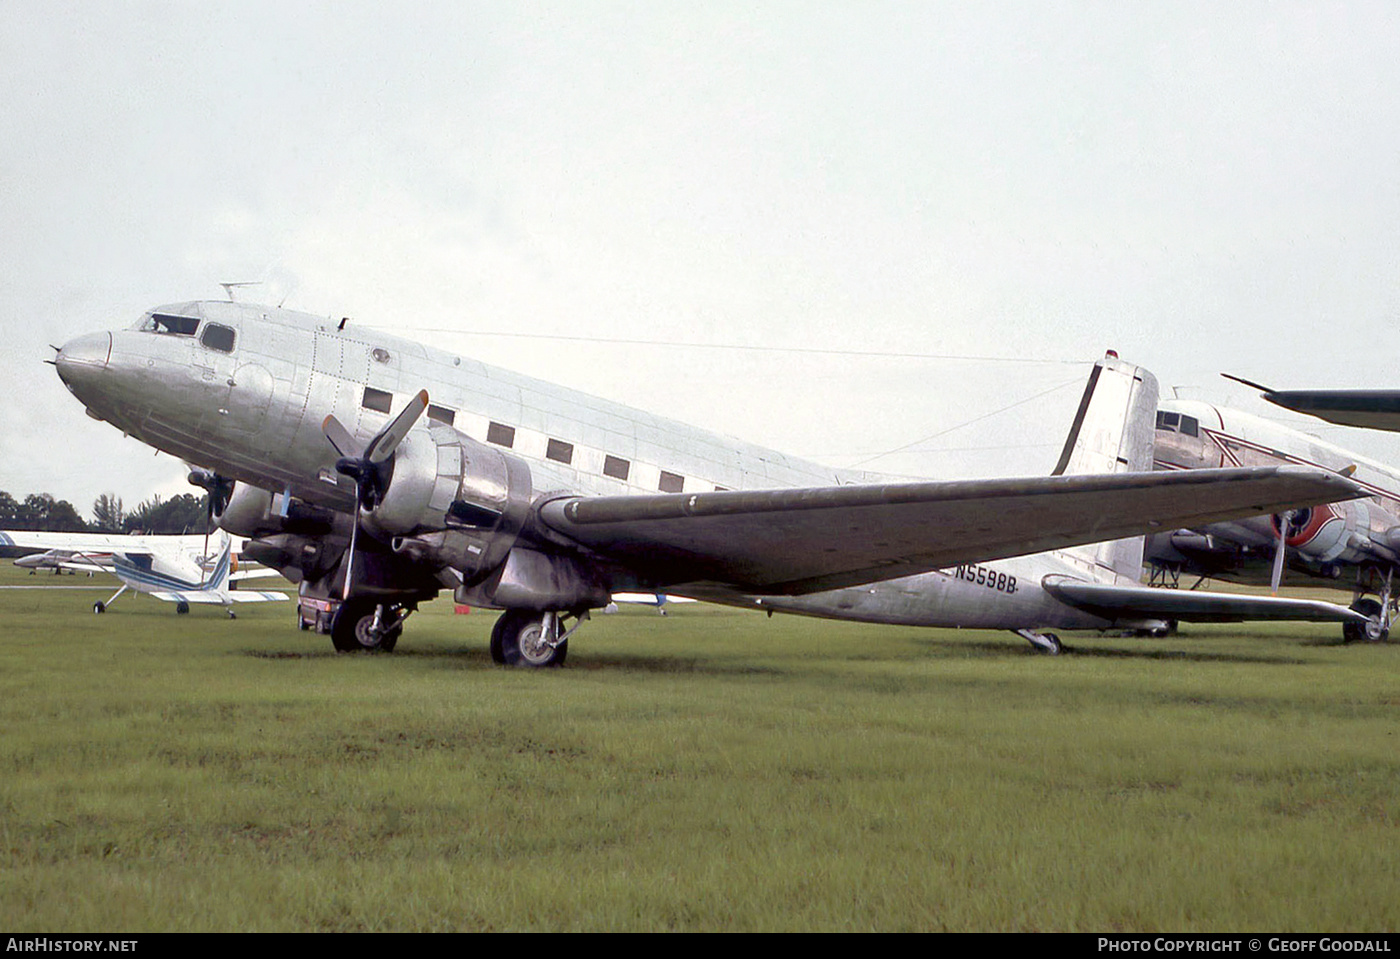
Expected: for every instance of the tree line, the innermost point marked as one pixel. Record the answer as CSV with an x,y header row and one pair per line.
x,y
186,513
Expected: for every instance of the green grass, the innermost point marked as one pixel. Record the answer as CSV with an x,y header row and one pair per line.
x,y
710,770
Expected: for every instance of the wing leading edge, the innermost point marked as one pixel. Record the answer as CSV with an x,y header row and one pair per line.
x,y
797,541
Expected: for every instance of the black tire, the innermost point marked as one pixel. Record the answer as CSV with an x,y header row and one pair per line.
x,y
1357,633
182,607
352,628
515,641
99,607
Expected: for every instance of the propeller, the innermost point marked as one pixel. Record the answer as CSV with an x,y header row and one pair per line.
x,y
217,491
371,468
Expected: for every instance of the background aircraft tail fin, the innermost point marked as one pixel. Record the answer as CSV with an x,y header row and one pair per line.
x,y
1113,432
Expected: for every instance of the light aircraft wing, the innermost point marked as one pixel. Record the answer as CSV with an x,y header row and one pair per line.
x,y
805,540
102,543
1115,602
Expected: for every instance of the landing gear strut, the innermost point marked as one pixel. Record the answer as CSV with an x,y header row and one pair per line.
x,y
525,638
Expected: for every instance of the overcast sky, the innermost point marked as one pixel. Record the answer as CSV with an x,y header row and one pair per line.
x,y
1202,187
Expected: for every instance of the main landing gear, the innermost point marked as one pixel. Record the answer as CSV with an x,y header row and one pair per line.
x,y
525,638
1380,611
363,625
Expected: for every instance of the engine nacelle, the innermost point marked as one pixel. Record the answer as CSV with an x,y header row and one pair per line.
x,y
1347,532
453,501
252,512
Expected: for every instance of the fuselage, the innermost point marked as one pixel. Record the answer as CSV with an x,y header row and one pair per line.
x,y
243,390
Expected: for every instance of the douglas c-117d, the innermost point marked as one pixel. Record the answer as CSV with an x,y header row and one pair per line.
x,y
374,472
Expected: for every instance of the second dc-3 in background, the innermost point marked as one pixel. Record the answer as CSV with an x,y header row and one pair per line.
x,y
375,471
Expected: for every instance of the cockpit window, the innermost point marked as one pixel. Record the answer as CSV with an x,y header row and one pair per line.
x,y
170,324
1178,423
218,337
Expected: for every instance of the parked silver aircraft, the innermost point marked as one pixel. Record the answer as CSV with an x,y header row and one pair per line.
x,y
540,501
175,569
1353,545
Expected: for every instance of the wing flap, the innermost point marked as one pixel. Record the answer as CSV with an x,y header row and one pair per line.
x,y
796,541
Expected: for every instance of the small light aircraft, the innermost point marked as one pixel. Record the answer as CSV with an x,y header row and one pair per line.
x,y
176,569
318,441
1352,545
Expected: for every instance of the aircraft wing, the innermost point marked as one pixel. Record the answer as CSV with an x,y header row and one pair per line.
x,y
796,541
1370,409
1117,602
103,543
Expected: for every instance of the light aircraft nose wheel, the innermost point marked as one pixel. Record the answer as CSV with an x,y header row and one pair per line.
x,y
99,607
519,638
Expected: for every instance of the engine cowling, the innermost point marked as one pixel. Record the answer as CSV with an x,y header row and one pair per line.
x,y
453,501
1338,532
252,512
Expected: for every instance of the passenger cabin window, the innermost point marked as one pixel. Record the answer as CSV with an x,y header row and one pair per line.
x,y
442,414
501,435
671,482
616,467
559,451
218,337
169,324
377,400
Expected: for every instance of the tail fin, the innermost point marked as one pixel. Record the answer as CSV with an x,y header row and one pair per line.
x,y
218,576
1113,432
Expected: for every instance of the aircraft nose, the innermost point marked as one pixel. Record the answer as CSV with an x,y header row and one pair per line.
x,y
81,359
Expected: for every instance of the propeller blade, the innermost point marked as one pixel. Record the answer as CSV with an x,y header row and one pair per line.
x,y
388,439
350,557
340,437
1277,577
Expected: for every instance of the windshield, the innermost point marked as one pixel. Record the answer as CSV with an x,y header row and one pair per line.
x,y
168,323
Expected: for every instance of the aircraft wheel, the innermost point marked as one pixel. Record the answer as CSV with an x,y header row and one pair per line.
x,y
182,607
99,607
352,630
517,639
1055,647
1373,632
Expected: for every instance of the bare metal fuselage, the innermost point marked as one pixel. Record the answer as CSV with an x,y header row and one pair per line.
x,y
254,413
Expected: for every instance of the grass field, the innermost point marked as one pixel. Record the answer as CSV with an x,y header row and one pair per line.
x,y
710,770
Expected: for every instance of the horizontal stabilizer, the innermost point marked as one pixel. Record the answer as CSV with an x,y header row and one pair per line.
x,y
1146,602
794,541
215,597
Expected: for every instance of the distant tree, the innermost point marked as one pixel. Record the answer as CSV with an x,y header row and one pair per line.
x,y
185,513
9,509
107,513
42,511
